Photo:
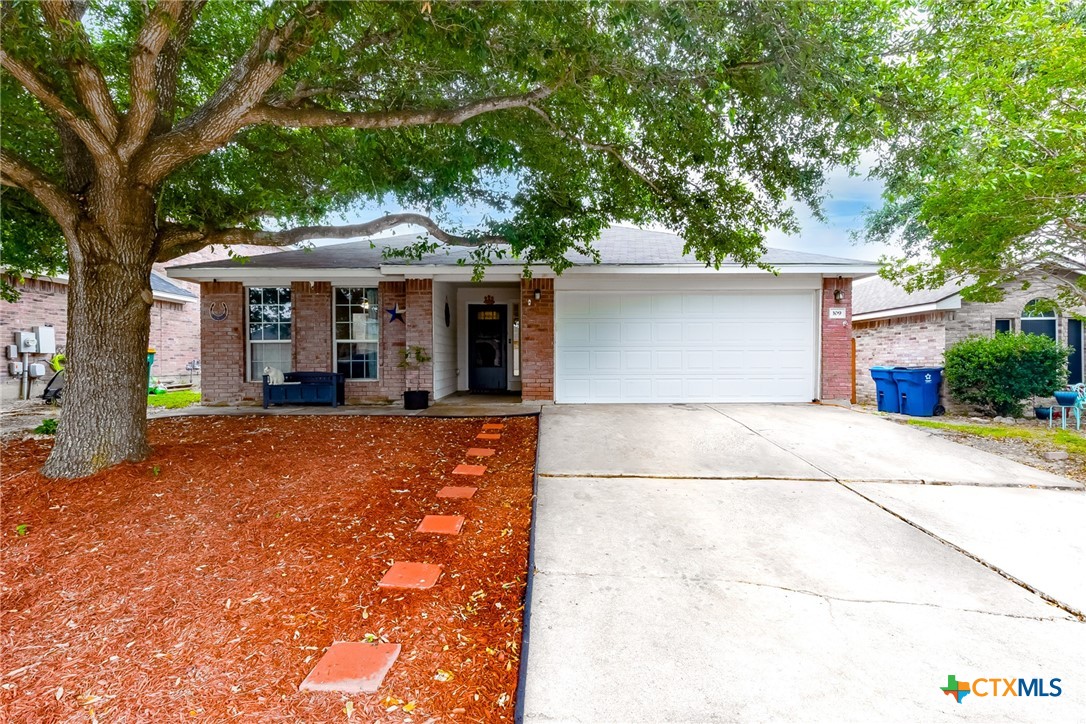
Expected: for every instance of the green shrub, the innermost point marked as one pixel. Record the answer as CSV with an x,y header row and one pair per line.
x,y
48,426
997,373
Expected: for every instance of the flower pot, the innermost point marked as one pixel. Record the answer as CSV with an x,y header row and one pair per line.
x,y
1042,413
1065,397
416,399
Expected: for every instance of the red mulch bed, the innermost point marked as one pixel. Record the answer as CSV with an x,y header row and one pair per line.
x,y
206,582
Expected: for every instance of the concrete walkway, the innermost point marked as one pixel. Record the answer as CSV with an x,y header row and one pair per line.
x,y
707,563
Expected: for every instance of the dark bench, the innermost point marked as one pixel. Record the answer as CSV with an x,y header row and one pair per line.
x,y
305,388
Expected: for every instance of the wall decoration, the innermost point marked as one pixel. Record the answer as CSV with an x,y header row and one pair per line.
x,y
395,313
217,311
448,313
488,299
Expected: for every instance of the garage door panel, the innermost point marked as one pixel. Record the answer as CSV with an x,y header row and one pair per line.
x,y
702,347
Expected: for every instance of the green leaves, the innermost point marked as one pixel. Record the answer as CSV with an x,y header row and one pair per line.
x,y
987,175
997,373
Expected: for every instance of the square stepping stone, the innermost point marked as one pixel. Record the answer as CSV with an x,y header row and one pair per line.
x,y
454,491
469,470
441,524
480,452
488,436
493,426
404,574
352,667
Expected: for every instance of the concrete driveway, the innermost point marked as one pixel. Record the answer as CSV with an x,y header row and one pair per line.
x,y
759,562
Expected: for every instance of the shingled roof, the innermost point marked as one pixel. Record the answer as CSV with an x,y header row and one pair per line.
x,y
876,294
617,246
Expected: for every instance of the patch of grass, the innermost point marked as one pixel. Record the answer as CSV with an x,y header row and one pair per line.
x,y
174,400
48,426
1066,440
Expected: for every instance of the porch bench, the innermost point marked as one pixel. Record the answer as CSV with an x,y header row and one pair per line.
x,y
305,388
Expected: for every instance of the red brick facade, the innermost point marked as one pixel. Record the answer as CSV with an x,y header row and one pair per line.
x,y
420,330
836,342
175,327
223,342
537,339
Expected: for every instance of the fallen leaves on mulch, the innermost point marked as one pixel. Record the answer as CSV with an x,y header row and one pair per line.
x,y
206,582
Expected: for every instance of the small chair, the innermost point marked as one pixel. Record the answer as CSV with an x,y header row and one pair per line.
x,y
1066,407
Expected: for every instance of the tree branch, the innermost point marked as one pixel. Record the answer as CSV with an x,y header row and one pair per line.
x,y
322,117
177,241
42,90
605,147
142,80
216,121
64,18
16,171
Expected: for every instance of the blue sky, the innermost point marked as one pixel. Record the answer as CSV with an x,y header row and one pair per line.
x,y
847,197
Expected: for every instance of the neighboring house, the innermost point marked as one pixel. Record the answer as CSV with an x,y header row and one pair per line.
x,y
43,301
175,319
647,324
894,327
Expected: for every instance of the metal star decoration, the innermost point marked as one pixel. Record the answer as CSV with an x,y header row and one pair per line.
x,y
396,313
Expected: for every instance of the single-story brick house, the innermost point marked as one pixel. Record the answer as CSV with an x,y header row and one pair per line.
x,y
894,327
646,324
43,301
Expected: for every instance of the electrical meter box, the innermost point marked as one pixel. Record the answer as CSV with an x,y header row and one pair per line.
x,y
37,369
47,339
26,342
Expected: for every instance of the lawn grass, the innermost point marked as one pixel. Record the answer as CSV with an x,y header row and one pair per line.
x,y
1071,442
174,400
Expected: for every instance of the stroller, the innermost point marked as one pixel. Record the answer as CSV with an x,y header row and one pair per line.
x,y
54,389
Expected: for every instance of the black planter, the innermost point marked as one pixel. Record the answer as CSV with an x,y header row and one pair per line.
x,y
416,399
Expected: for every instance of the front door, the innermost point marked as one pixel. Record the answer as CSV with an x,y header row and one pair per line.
x,y
486,348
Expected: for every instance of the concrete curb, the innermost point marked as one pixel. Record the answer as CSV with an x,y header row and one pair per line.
x,y
522,674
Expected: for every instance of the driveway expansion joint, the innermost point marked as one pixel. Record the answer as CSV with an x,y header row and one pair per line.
x,y
1074,612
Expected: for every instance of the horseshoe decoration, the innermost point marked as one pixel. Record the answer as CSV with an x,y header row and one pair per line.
x,y
217,310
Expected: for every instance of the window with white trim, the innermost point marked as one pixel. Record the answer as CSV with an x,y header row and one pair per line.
x,y
356,329
269,330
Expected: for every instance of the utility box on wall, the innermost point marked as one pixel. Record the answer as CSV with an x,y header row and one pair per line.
x,y
47,339
27,342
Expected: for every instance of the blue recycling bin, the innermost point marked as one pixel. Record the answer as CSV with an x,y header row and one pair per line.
x,y
918,390
886,389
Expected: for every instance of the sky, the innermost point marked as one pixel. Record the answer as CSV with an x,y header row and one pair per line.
x,y
847,198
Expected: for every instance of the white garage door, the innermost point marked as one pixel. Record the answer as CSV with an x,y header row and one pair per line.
x,y
696,347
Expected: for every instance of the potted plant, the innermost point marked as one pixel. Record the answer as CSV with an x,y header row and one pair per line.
x,y
413,358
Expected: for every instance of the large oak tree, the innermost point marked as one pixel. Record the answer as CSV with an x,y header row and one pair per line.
x,y
135,132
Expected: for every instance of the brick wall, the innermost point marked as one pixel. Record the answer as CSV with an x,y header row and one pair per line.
x,y
175,328
222,345
537,339
389,386
420,330
311,315
913,341
979,317
836,343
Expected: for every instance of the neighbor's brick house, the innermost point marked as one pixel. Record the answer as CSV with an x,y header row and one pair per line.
x,y
646,324
175,317
893,327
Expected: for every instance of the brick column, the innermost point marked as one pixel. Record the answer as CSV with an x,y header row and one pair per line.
x,y
836,343
222,342
312,326
420,329
537,339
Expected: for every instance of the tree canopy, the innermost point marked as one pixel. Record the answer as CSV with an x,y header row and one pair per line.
x,y
245,117
986,177
136,132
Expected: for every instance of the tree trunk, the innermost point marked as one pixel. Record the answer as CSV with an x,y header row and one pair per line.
x,y
103,418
